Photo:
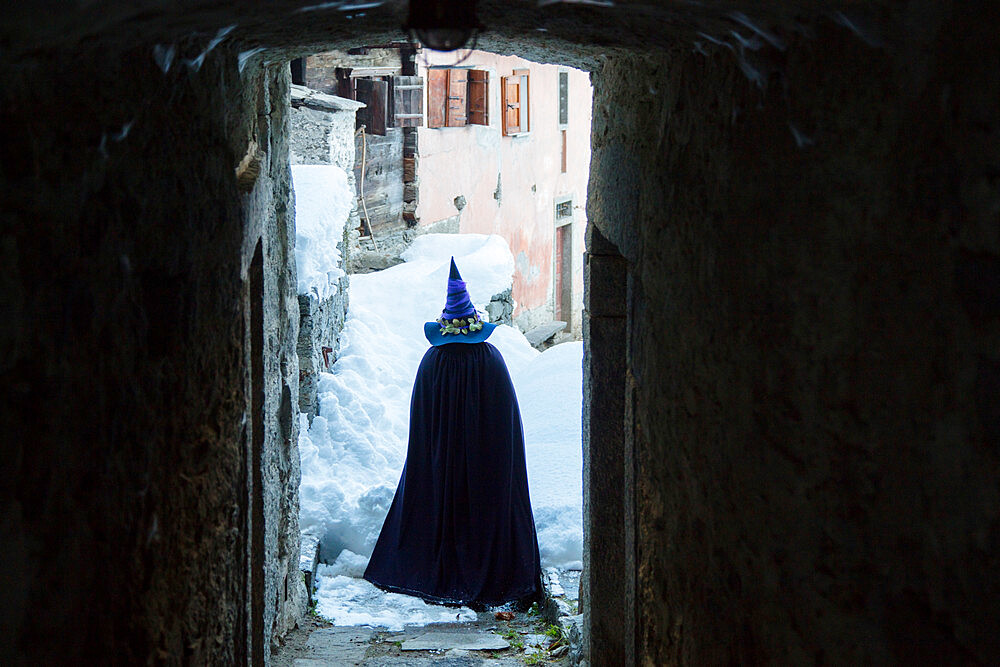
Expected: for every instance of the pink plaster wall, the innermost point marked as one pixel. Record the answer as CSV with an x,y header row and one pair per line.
x,y
467,161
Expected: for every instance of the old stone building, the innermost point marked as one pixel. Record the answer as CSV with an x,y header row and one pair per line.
x,y
792,326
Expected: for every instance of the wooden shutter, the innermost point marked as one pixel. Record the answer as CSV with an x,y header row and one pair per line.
x,y
374,93
479,97
345,83
437,96
458,103
407,101
511,86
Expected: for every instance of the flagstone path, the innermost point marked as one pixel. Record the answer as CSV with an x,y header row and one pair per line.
x,y
485,642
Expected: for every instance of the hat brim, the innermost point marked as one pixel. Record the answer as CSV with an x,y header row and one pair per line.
x,y
432,330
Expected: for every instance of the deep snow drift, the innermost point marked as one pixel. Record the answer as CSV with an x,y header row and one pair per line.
x,y
353,453
323,200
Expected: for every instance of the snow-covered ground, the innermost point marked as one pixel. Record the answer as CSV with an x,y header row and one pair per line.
x,y
353,453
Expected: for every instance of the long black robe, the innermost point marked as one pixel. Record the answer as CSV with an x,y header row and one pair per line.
x,y
460,528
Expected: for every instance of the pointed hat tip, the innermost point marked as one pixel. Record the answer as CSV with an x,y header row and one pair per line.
x,y
454,275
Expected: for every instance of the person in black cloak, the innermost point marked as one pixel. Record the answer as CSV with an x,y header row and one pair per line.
x,y
460,528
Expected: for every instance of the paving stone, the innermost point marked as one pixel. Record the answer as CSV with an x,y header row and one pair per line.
x,y
440,661
470,641
336,646
536,640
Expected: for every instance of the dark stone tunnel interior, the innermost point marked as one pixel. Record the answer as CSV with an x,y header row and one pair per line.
x,y
792,327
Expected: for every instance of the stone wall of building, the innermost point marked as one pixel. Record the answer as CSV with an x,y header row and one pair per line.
x,y
813,343
280,595
132,420
791,422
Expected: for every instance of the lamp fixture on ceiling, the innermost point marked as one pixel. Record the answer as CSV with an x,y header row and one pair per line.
x,y
442,25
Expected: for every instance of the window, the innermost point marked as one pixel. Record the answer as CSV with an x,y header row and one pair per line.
x,y
391,101
516,103
564,211
563,115
563,100
457,97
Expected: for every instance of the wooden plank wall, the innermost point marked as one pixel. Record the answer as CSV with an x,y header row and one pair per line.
x,y
383,186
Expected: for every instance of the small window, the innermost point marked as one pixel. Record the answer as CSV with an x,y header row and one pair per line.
x,y
457,97
564,211
563,99
515,98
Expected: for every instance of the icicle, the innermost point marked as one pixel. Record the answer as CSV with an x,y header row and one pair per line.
x,y
801,140
116,137
843,20
752,43
715,41
770,38
339,5
164,56
244,56
592,3
751,72
120,136
196,62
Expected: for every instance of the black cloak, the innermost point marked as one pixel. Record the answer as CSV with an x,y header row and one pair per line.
x,y
460,528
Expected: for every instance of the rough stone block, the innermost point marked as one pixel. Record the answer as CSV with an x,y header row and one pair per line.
x,y
605,285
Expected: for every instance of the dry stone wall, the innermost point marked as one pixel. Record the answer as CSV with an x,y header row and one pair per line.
x,y
322,132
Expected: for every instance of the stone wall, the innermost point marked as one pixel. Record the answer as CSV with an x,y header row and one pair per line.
x,y
322,132
813,344
807,469
270,205
320,324
128,416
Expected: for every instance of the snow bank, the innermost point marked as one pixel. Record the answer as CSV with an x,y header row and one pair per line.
x,y
346,599
353,453
323,201
550,394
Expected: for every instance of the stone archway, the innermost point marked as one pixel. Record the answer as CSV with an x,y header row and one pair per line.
x,y
804,201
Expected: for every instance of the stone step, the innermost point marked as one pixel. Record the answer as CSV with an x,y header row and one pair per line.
x,y
543,332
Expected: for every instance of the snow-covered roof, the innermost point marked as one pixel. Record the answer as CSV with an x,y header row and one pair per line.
x,y
314,99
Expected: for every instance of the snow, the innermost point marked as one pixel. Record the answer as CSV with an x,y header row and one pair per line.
x,y
323,201
353,452
550,395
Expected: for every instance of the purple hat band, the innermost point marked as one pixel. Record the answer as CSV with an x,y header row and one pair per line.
x,y
458,304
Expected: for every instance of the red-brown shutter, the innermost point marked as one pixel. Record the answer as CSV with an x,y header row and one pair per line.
x,y
437,94
458,103
511,86
407,101
374,93
479,97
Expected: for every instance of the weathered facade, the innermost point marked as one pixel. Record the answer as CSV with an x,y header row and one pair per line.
x,y
530,187
385,149
792,328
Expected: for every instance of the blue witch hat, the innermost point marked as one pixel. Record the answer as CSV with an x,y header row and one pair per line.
x,y
459,321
